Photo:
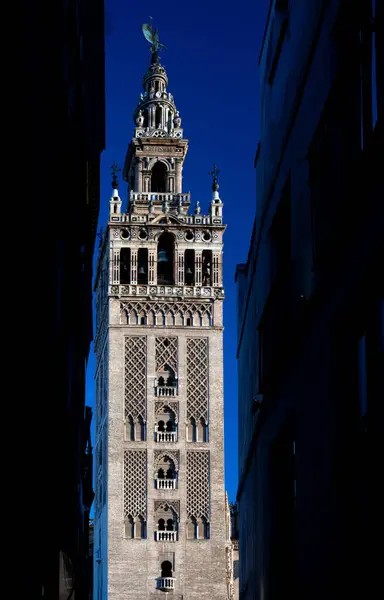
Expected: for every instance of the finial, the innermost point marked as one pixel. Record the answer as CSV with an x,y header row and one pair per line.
x,y
114,171
152,36
215,174
165,206
197,208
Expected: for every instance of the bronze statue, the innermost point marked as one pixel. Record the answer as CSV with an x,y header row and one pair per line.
x,y
152,36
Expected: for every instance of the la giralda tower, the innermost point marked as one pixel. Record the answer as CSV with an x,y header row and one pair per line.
x,y
160,513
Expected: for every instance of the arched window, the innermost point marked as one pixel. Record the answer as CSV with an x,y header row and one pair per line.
x,y
165,254
202,529
161,382
159,113
191,528
131,429
140,430
170,380
189,267
145,124
160,426
140,528
159,177
142,266
207,267
191,430
169,426
170,525
129,527
202,430
166,569
125,265
166,468
161,525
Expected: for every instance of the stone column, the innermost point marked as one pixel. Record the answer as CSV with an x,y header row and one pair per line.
x,y
178,188
167,118
116,266
152,279
134,266
152,115
198,260
139,175
180,270
162,116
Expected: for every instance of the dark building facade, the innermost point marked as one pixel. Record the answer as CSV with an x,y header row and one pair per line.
x,y
61,122
310,309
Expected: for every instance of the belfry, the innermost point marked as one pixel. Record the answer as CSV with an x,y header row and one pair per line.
x,y
160,509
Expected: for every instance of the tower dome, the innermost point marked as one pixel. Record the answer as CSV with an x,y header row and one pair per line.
x,y
156,114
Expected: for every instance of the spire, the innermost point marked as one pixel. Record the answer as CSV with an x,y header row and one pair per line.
x,y
156,114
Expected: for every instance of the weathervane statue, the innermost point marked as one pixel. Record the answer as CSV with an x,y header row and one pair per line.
x,y
152,36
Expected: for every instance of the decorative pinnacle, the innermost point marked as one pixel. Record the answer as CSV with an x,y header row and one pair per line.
x,y
114,171
215,174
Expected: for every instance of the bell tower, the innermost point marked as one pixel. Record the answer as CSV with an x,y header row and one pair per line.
x,y
160,512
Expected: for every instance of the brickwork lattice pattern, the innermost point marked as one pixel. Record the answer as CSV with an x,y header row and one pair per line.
x,y
166,353
135,483
136,377
197,378
198,503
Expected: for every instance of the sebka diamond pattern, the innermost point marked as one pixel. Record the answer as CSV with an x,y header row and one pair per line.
x,y
197,378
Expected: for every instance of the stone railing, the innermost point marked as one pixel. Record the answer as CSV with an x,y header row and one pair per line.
x,y
137,219
167,290
166,484
166,436
166,583
165,390
166,536
160,197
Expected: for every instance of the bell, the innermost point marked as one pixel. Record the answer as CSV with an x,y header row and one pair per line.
x,y
141,271
162,256
189,272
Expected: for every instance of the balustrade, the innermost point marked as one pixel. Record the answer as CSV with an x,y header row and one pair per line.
x,y
165,390
166,484
166,436
166,536
166,583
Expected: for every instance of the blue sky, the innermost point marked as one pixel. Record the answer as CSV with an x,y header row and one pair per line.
x,y
211,63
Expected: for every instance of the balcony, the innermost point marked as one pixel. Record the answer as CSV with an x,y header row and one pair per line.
x,y
165,390
166,484
166,536
166,583
169,437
